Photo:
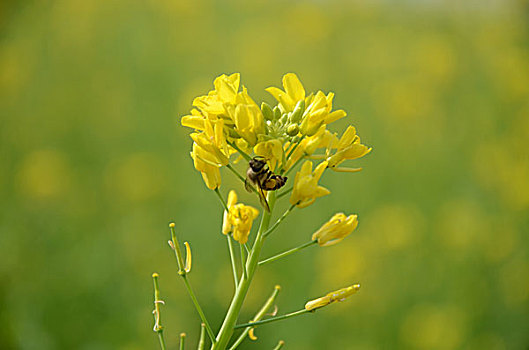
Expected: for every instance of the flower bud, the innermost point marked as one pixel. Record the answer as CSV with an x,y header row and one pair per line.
x,y
267,111
339,295
298,111
293,130
277,113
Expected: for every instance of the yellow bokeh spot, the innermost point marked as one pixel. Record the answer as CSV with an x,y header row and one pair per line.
x,y
395,226
461,224
433,327
137,177
44,174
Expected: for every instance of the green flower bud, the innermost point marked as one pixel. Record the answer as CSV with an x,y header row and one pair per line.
x,y
267,111
293,130
277,113
298,111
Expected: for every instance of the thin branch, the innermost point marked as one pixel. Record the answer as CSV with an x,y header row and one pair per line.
x,y
272,319
274,226
287,252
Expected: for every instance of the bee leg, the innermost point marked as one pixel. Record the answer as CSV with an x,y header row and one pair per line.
x,y
262,199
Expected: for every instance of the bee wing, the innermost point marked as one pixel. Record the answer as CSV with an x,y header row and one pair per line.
x,y
262,199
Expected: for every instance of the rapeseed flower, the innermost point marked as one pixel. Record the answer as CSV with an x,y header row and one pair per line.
x,y
348,147
336,229
238,219
294,92
306,188
319,112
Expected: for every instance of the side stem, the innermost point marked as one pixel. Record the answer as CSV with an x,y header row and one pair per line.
x,y
287,252
273,319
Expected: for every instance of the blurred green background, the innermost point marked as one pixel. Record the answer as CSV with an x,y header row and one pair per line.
x,y
94,164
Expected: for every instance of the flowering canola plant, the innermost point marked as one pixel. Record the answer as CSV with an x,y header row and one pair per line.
x,y
228,127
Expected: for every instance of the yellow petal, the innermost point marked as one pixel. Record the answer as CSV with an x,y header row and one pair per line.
x,y
251,334
188,257
347,137
319,170
212,178
193,121
334,116
317,303
232,198
293,87
346,170
275,92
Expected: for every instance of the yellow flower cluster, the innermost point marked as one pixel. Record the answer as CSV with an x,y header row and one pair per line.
x,y
228,121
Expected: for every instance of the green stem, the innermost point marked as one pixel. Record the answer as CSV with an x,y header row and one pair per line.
x,y
285,192
258,316
198,308
243,154
279,345
273,319
182,341
162,341
233,170
202,339
221,199
230,319
242,178
232,259
285,214
296,146
287,252
158,328
177,251
243,261
293,166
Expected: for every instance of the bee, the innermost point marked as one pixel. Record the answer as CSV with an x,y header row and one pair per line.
x,y
259,175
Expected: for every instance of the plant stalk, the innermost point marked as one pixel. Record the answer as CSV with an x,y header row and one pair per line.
x,y
230,319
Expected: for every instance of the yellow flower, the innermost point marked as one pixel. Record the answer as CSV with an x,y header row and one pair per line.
x,y
306,188
318,113
232,200
348,147
247,118
195,120
210,173
293,93
338,295
226,88
210,152
321,139
213,141
238,219
272,150
336,229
